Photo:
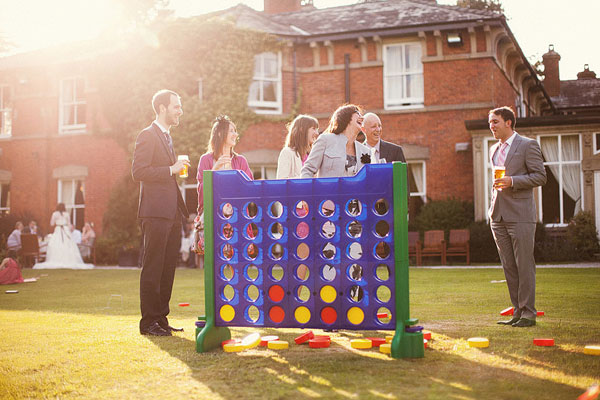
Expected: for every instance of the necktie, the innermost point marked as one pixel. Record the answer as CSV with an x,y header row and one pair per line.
x,y
169,142
502,155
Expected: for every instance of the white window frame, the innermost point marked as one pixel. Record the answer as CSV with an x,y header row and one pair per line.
x,y
488,168
560,163
596,142
263,171
5,113
406,102
5,210
71,128
413,192
267,107
70,203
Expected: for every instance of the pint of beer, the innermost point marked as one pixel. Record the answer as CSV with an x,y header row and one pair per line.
x,y
499,172
184,172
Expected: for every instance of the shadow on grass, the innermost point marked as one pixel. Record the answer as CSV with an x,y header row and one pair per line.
x,y
339,372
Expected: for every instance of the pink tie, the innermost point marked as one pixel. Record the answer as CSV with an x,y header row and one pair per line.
x,y
502,155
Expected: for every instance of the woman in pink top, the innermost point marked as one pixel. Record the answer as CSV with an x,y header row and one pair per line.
x,y
223,137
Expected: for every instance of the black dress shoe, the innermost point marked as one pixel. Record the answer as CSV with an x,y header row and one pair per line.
x,y
169,328
155,330
509,322
524,323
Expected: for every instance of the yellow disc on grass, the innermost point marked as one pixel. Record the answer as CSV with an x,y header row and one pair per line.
x,y
328,294
361,343
389,338
356,316
302,314
478,342
233,347
385,348
278,345
593,350
227,313
252,340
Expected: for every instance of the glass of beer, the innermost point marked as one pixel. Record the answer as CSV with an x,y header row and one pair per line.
x,y
184,172
499,172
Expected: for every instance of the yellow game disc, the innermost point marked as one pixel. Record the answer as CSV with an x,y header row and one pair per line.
x,y
252,340
278,344
478,342
328,294
302,314
356,316
233,347
593,350
227,313
385,348
389,338
361,344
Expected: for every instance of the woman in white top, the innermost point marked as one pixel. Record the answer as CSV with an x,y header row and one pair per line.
x,y
302,133
62,252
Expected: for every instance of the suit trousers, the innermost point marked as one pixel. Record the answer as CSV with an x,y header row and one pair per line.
x,y
515,243
161,244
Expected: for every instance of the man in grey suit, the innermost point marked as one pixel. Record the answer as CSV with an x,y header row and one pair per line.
x,y
372,129
513,212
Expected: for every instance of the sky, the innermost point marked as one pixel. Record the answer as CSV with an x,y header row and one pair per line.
x,y
570,25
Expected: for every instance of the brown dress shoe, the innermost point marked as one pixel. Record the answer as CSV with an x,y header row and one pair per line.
x,y
155,330
524,323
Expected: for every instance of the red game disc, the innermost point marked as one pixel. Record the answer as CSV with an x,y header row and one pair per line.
x,y
184,304
543,342
425,341
382,315
318,343
508,311
276,293
321,337
276,314
328,315
539,313
264,341
230,341
377,341
427,335
304,337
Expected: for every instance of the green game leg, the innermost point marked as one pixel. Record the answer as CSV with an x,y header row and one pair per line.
x,y
211,336
404,344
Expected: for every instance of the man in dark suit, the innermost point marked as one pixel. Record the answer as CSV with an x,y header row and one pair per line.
x,y
513,213
161,210
372,129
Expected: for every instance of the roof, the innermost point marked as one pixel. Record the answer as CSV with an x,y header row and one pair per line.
x,y
249,18
579,93
378,16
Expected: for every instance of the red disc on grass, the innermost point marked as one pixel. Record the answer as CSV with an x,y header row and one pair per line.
x,y
264,341
427,335
543,342
276,293
328,315
230,341
305,337
425,341
276,314
508,311
540,313
381,315
321,337
318,343
377,341
184,304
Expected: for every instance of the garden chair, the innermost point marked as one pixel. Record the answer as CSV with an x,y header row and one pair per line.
x,y
30,249
434,245
458,244
414,244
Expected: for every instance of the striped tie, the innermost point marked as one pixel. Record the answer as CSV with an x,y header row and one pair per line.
x,y
502,155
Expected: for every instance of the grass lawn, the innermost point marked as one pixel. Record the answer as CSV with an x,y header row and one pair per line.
x,y
74,335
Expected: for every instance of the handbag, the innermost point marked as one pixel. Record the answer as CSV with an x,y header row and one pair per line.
x,y
198,241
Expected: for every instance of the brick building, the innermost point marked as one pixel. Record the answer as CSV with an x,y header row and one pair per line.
x,y
431,72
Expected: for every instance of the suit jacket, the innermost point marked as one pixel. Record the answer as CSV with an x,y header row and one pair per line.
x,y
390,151
159,194
328,156
524,163
289,164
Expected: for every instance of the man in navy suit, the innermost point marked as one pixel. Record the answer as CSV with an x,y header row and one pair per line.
x,y
372,129
161,210
513,213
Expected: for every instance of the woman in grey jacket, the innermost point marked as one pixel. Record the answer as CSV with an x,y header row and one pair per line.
x,y
336,152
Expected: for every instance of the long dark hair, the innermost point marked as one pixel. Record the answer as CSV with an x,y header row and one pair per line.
x,y
60,207
342,117
218,135
296,138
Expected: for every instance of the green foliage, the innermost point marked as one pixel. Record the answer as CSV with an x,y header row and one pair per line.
x,y
482,246
552,246
582,235
490,5
446,214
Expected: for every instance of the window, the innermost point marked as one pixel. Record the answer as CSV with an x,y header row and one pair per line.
x,y
417,185
596,143
4,199
72,106
561,196
402,76
5,111
71,192
265,90
189,191
264,172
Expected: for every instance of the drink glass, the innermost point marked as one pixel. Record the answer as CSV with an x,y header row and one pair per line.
x,y
184,172
499,172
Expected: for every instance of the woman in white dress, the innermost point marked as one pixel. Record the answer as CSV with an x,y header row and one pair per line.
x,y
302,133
62,252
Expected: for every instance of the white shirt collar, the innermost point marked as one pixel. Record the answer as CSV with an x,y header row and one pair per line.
x,y
162,128
510,139
376,147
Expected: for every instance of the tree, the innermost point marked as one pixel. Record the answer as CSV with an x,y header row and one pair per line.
x,y
490,5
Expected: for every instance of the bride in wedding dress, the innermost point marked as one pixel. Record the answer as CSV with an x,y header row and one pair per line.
x,y
62,252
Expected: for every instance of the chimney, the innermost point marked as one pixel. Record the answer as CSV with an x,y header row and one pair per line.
x,y
551,76
586,73
282,6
